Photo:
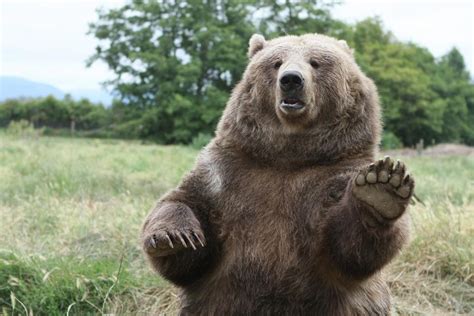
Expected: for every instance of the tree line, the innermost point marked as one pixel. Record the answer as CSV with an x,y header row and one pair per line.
x,y
175,63
68,116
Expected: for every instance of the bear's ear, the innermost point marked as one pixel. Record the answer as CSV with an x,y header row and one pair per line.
x,y
256,43
346,47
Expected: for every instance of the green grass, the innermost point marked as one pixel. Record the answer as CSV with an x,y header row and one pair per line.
x,y
71,211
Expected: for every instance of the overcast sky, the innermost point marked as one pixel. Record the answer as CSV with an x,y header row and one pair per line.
x,y
46,41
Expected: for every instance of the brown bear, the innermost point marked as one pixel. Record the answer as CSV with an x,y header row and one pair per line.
x,y
286,211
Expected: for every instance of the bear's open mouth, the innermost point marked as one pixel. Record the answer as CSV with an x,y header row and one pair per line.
x,y
291,104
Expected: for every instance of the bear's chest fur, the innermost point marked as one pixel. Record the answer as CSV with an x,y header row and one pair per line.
x,y
268,219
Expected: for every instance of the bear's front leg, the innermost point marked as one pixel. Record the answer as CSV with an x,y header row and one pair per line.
x,y
178,241
170,228
386,188
367,228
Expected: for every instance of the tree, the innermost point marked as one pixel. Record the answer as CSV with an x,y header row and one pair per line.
x,y
174,61
276,18
421,98
453,86
177,61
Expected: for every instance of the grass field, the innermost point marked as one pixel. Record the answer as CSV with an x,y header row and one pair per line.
x,y
71,210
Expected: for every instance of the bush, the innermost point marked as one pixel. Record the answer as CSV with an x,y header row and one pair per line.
x,y
390,141
128,130
23,128
201,140
55,113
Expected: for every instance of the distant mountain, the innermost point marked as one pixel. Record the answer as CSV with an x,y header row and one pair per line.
x,y
16,87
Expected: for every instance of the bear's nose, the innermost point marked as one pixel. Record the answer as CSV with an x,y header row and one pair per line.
x,y
291,80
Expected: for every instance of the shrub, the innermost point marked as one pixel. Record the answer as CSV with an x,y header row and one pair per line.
x,y
390,141
23,128
201,140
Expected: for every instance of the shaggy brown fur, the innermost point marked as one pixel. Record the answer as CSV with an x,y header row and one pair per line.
x,y
285,212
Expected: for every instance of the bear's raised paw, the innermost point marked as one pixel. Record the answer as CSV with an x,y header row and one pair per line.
x,y
386,187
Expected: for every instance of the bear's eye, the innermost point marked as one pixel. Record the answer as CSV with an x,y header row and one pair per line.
x,y
277,64
314,63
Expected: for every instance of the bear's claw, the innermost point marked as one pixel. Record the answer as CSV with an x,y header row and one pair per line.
x,y
163,242
170,243
385,186
199,239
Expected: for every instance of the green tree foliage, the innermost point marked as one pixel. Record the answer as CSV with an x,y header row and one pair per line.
x,y
177,61
53,113
403,74
274,18
452,85
422,98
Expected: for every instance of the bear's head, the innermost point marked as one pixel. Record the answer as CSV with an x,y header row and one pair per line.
x,y
302,99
